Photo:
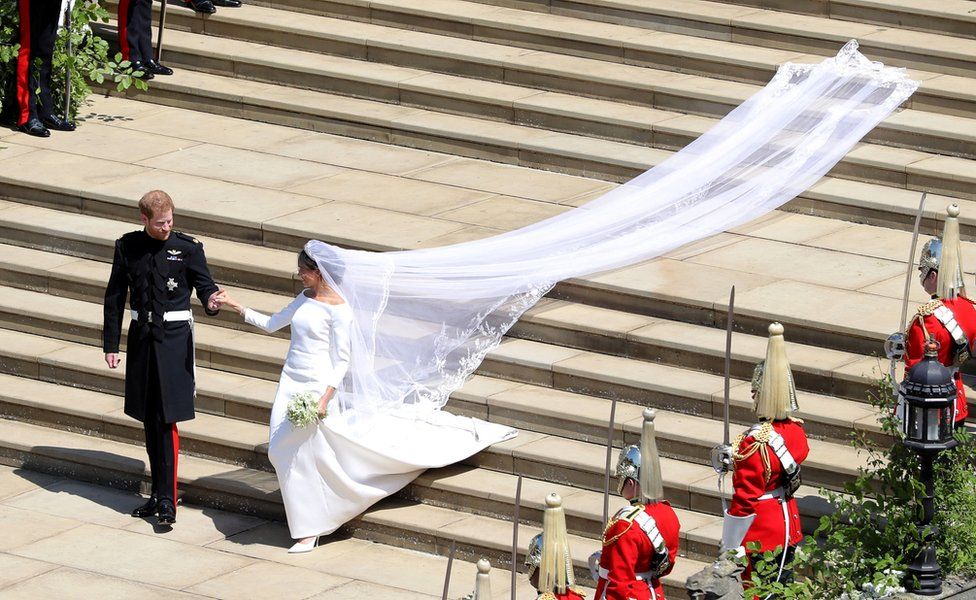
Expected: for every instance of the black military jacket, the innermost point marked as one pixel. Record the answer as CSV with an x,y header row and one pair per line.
x,y
157,277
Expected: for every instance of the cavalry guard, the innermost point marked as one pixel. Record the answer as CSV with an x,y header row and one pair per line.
x,y
950,317
766,462
640,543
548,561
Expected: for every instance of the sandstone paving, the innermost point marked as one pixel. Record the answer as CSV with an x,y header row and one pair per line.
x,y
23,527
78,584
80,501
98,549
243,166
17,568
14,481
75,171
98,140
503,212
264,580
11,150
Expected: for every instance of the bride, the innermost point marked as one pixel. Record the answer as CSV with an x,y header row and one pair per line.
x,y
317,361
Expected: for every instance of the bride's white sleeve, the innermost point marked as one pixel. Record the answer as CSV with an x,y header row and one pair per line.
x,y
275,321
340,346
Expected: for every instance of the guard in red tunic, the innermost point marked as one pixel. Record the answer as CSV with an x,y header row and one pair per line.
x,y
28,100
549,562
640,543
950,317
766,466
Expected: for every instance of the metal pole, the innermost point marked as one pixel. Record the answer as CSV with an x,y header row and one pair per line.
x,y
159,34
447,574
606,481
515,532
67,67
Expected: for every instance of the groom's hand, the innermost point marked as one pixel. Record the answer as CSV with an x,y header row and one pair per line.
x,y
216,300
112,359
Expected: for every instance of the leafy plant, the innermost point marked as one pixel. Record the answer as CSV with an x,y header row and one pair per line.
x,y
88,63
862,549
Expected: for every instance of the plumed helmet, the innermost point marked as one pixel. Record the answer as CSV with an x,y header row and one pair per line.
x,y
776,397
931,255
555,561
950,282
641,463
534,556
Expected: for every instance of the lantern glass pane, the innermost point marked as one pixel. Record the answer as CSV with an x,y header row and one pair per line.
x,y
932,425
914,422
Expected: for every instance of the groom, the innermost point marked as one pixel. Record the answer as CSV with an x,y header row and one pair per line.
x,y
157,268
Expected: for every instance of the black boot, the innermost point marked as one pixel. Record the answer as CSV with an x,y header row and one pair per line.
x,y
56,122
157,69
228,3
166,514
148,509
141,67
34,127
201,6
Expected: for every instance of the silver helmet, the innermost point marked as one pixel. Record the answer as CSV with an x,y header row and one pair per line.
x,y
931,257
534,555
628,466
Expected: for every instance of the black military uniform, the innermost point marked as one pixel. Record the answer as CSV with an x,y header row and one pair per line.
x,y
158,276
28,100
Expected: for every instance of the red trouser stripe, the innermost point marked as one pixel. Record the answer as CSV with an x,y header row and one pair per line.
x,y
23,63
124,28
176,460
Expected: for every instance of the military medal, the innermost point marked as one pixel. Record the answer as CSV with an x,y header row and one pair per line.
x,y
171,284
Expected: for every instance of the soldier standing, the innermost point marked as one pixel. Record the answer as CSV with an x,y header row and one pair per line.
x,y
157,268
950,317
28,101
549,562
766,466
640,543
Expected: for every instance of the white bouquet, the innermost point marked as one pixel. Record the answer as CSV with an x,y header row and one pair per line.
x,y
303,410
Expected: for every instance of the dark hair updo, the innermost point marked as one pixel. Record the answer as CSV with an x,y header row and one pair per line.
x,y
333,264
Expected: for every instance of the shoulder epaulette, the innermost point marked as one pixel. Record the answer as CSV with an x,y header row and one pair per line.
x,y
187,238
929,307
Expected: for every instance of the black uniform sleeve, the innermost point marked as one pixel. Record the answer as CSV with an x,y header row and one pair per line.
x,y
198,276
115,296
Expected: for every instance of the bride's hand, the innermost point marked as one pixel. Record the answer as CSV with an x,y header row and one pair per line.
x,y
323,402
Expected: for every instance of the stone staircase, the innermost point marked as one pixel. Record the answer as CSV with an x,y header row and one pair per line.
x,y
448,110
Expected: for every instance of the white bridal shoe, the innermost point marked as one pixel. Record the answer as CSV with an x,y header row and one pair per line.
x,y
300,547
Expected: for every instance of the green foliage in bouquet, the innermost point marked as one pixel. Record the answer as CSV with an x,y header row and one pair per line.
x,y
89,62
862,549
303,409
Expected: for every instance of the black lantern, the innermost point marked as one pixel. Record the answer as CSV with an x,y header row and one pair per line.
x,y
928,397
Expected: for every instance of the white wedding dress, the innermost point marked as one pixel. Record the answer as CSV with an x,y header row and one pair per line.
x,y
330,473
318,357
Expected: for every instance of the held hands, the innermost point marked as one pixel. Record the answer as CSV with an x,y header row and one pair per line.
x,y
112,360
216,300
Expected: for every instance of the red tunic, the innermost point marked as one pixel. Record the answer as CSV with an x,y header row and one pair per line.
x,y
750,481
627,551
965,314
569,595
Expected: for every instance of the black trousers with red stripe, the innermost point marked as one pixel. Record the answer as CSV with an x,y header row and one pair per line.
x,y
38,32
162,440
135,30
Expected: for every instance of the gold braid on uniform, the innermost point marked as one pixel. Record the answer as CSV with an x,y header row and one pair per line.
x,y
760,443
923,311
613,521
546,596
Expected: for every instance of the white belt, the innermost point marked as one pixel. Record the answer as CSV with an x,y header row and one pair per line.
x,y
170,315
177,315
777,493
646,576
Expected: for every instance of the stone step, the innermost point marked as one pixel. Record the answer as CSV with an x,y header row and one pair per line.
x,y
932,122
562,369
209,483
783,29
241,397
633,44
459,488
551,321
689,285
668,130
947,17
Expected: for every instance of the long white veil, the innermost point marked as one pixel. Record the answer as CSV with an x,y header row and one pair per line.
x,y
426,318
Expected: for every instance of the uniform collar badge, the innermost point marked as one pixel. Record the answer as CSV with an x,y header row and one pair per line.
x,y
171,284
175,252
